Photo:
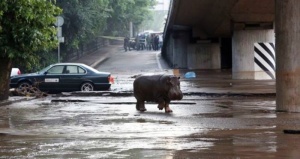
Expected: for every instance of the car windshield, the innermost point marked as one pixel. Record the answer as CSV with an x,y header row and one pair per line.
x,y
44,69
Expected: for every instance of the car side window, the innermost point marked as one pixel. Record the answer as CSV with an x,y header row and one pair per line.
x,y
56,70
72,69
75,70
80,70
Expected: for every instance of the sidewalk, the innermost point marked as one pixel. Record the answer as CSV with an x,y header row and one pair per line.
x,y
95,58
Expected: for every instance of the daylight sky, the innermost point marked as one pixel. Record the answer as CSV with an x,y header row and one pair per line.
x,y
162,5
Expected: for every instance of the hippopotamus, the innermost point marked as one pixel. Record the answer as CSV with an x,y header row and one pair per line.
x,y
156,88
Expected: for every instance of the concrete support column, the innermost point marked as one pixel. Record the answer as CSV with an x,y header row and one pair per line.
x,y
175,51
181,40
243,51
167,53
287,27
204,56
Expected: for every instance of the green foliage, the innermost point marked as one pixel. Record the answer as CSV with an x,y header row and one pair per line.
x,y
83,20
46,58
126,11
26,28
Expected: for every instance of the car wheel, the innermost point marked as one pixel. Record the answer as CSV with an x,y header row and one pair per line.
x,y
24,87
87,86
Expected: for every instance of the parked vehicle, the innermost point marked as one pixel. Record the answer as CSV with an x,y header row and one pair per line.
x,y
15,71
65,77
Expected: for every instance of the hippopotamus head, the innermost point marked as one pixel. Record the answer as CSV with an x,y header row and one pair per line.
x,y
173,85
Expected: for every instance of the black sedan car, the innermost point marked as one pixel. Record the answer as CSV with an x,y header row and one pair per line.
x,y
65,77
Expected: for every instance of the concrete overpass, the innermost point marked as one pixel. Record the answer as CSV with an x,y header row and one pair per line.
x,y
239,35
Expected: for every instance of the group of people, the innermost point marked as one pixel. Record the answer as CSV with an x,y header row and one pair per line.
x,y
144,42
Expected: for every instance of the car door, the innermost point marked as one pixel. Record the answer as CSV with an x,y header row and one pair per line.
x,y
72,77
52,79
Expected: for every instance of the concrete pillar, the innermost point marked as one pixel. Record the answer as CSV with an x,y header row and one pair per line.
x,y
168,53
204,56
287,27
181,40
243,51
264,61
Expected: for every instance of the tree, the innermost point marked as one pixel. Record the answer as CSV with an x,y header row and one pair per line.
x,y
84,21
126,11
26,27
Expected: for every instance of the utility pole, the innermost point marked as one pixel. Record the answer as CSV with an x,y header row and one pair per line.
x,y
130,29
59,22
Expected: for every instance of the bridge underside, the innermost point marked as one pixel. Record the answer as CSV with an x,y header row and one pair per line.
x,y
215,18
204,34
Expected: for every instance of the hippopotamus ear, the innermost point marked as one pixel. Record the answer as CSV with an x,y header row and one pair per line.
x,y
168,79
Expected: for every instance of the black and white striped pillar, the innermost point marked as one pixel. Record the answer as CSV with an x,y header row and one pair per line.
x,y
264,60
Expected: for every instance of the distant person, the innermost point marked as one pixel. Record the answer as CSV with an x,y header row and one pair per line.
x,y
148,42
156,41
152,41
126,44
137,42
142,41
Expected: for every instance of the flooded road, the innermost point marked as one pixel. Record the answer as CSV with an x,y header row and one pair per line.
x,y
110,127
217,118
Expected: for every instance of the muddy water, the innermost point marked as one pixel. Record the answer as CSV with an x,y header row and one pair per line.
x,y
110,127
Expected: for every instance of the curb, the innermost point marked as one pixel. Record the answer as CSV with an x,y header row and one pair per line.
x,y
102,59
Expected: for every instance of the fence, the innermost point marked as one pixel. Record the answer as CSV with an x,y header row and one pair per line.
x,y
91,47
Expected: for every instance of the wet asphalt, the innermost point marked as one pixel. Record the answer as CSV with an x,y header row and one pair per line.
x,y
217,118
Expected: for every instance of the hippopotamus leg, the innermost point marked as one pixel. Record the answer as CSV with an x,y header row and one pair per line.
x,y
161,105
140,105
167,107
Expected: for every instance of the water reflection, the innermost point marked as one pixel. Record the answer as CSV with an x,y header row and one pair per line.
x,y
216,127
